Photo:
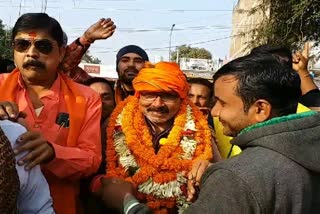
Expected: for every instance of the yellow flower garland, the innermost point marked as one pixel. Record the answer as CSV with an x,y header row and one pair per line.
x,y
136,143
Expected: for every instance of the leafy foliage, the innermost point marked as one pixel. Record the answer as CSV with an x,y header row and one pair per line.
x,y
90,59
5,42
290,23
189,52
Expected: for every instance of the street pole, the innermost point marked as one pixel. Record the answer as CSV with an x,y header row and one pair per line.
x,y
177,58
170,41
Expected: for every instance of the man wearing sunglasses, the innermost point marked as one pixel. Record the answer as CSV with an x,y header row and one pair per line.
x,y
62,116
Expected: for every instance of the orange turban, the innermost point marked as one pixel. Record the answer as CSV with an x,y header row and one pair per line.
x,y
161,77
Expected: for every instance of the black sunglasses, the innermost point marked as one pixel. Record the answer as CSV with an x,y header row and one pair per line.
x,y
44,46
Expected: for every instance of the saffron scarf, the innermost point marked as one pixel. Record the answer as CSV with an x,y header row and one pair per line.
x,y
75,102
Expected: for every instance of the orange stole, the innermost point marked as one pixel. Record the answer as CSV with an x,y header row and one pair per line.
x,y
64,193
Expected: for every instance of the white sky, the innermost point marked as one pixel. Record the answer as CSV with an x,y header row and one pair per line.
x,y
147,23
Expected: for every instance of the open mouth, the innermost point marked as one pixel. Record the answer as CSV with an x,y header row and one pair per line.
x,y
131,73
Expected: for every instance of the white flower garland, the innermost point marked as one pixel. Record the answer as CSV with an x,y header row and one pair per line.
x,y
166,190
188,144
126,159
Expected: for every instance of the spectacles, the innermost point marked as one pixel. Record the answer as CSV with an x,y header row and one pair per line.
x,y
165,97
44,46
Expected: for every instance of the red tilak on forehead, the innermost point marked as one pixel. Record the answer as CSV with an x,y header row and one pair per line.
x,y
32,35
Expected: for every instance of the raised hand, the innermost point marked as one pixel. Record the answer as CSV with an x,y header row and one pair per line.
x,y
102,29
300,59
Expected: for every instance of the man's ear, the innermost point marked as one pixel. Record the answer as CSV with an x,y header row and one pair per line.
x,y
62,51
315,108
262,110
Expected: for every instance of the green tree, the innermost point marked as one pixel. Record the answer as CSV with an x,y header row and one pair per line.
x,y
185,51
88,58
5,42
290,23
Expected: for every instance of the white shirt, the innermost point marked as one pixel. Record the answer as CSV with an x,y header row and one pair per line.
x,y
34,196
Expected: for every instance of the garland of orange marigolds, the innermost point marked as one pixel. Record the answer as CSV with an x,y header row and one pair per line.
x,y
158,177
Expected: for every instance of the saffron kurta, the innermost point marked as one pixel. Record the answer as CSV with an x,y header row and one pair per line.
x,y
72,162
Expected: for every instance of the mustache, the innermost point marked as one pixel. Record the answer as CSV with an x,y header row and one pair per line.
x,y
131,69
34,63
162,109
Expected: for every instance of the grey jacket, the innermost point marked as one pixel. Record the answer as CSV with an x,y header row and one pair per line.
x,y
277,172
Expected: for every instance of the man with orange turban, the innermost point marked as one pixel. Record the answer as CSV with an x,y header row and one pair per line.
x,y
153,139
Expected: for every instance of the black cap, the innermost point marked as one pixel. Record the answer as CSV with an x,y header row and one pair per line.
x,y
132,49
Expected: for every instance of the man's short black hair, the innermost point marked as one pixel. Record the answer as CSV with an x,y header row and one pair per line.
x,y
100,80
39,21
262,76
202,81
282,53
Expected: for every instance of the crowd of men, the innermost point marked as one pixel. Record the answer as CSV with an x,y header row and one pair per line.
x,y
71,143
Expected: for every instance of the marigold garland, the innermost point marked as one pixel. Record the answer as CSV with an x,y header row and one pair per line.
x,y
182,147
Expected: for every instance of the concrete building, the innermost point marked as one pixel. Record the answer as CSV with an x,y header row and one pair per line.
x,y
203,68
242,25
314,63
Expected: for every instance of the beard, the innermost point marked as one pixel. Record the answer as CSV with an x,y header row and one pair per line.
x,y
128,75
233,127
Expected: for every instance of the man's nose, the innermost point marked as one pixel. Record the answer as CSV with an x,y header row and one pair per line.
x,y
158,102
215,111
194,100
32,51
131,63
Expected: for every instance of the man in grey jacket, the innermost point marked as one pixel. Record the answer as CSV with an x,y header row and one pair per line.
x,y
279,168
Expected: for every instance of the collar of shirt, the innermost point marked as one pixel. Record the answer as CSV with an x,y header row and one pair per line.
x,y
52,93
157,136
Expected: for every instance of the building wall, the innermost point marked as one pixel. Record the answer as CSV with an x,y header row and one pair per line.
x,y
242,22
99,70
